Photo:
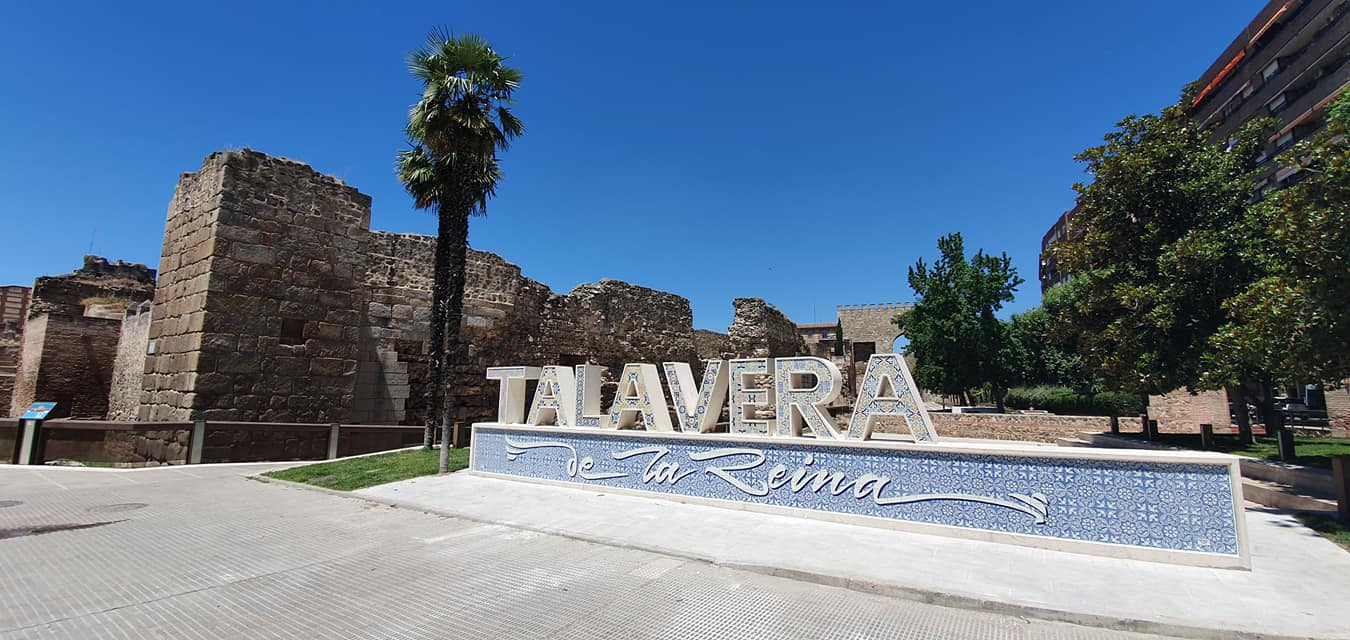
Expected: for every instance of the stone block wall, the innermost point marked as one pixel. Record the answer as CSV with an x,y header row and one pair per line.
x,y
872,323
258,247
1183,412
128,373
278,247
97,289
711,345
761,331
176,322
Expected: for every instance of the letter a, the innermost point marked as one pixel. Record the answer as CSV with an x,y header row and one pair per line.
x,y
639,400
554,397
888,390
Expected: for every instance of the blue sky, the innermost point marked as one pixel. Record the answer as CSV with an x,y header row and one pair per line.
x,y
802,153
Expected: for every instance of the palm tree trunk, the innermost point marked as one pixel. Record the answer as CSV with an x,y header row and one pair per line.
x,y
447,311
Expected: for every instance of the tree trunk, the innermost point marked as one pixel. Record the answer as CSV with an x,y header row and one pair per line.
x,y
447,310
1266,407
1238,393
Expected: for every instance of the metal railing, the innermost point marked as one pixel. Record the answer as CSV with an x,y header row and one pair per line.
x,y
40,441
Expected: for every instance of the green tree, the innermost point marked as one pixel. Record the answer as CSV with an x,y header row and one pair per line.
x,y
1293,322
958,342
455,130
1158,231
839,338
1045,360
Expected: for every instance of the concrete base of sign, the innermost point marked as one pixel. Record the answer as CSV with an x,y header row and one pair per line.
x,y
1296,587
1174,507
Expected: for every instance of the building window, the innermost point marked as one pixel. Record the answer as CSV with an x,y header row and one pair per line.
x,y
1270,70
1278,104
1284,142
292,331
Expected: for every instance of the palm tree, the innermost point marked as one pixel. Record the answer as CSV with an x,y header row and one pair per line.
x,y
455,131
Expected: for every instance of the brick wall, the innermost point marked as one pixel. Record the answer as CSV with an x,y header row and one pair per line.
x,y
1005,426
67,360
1183,412
1338,406
30,363
11,341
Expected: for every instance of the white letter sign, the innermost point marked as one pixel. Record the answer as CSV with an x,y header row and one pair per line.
x,y
639,400
511,396
697,413
554,397
742,396
800,400
888,390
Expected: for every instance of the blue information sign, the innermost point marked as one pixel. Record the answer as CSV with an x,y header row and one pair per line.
x,y
38,410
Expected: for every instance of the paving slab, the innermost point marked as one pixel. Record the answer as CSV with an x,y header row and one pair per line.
x,y
1298,586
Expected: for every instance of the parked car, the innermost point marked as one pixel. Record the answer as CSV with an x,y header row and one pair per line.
x,y
1295,412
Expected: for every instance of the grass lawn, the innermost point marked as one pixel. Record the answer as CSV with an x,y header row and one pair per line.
x,y
1330,528
359,473
1312,452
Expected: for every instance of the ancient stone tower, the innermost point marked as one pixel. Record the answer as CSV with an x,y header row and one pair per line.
x,y
257,316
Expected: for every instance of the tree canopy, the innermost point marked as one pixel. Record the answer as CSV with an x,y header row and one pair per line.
x,y
1293,320
455,130
1156,251
958,342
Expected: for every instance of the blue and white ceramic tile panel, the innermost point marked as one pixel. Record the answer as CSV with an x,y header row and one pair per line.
x,y
640,393
1172,506
711,395
553,396
888,366
742,395
586,412
788,420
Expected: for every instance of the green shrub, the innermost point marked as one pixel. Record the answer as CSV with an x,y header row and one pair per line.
x,y
1064,401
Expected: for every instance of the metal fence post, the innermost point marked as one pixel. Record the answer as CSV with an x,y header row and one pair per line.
x,y
1340,476
445,445
1151,433
333,430
1285,437
1206,436
196,442
1115,424
28,442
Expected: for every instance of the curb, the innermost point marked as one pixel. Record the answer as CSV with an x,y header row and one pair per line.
x,y
939,598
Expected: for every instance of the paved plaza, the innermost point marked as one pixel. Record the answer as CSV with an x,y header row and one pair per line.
x,y
205,552
1297,587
